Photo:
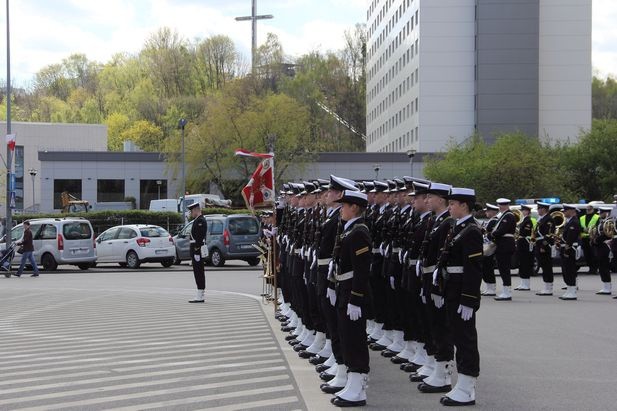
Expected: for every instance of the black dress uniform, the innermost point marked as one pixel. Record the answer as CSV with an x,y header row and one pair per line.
x,y
544,238
503,236
568,244
488,262
462,292
602,250
524,252
198,237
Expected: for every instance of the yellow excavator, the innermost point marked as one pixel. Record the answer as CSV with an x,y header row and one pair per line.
x,y
71,204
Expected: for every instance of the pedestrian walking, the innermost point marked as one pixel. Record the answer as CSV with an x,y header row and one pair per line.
x,y
27,252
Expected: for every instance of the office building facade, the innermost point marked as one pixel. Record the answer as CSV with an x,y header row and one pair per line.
x,y
440,70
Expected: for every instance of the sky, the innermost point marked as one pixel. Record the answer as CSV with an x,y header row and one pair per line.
x,y
44,32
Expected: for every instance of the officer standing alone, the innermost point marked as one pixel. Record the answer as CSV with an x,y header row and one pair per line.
x,y
198,243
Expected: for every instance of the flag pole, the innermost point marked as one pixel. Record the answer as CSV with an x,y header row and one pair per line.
x,y
271,139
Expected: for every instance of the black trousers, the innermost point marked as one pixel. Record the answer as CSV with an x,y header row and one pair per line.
x,y
488,269
504,265
545,262
378,289
315,308
568,267
330,315
589,254
602,252
393,306
525,261
411,305
465,338
427,326
353,341
198,269
440,332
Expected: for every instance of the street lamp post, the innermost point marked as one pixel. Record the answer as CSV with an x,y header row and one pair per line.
x,y
411,153
376,167
33,172
158,184
181,125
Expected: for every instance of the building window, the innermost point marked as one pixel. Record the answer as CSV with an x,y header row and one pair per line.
x,y
109,190
151,190
73,187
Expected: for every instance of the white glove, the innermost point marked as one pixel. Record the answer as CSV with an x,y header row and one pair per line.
x,y
392,282
381,249
330,268
435,277
354,312
437,300
404,257
302,253
305,279
197,258
331,294
465,312
385,252
204,251
314,264
423,299
274,230
418,269
286,239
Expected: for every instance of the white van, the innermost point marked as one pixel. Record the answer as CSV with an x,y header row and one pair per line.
x,y
166,204
57,241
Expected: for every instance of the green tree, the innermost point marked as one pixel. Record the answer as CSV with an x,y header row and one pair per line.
x,y
590,165
146,135
116,124
516,166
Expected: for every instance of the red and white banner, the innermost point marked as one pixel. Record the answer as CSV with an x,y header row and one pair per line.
x,y
10,141
244,153
259,192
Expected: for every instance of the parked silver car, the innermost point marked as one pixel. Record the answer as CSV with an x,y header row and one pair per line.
x,y
229,237
68,240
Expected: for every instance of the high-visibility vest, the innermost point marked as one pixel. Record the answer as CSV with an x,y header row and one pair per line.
x,y
534,223
586,228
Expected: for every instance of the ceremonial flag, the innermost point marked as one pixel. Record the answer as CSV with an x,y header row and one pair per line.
x,y
259,192
10,141
244,153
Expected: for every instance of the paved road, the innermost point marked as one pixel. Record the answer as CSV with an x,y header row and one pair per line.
x,y
101,341
128,339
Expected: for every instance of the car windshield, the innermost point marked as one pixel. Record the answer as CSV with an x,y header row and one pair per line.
x,y
153,232
76,231
243,226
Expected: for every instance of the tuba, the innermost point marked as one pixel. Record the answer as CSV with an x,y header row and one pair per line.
x,y
608,229
559,218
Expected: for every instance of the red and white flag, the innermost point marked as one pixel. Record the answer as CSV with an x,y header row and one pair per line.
x,y
244,153
10,141
259,192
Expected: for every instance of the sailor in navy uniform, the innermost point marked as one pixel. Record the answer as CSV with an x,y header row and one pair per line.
x,y
351,298
463,276
330,355
568,243
503,236
198,250
434,374
544,233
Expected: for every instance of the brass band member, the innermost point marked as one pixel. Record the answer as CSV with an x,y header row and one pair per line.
x,y
601,244
544,237
524,248
568,243
503,236
488,262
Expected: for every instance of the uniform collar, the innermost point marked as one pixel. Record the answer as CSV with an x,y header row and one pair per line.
x,y
350,222
462,220
424,214
383,207
437,217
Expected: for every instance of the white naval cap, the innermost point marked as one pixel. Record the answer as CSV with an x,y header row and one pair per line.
x,y
502,201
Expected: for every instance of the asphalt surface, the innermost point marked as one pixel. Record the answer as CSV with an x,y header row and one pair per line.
x,y
111,338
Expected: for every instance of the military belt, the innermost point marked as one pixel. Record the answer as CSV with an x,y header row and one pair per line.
x,y
396,250
429,269
455,269
345,276
508,236
324,261
376,251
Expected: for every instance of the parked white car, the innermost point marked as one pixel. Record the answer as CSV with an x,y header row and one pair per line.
x,y
131,245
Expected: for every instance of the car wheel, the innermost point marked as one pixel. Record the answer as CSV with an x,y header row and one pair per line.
x,y
253,261
167,263
132,260
217,258
49,262
84,266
